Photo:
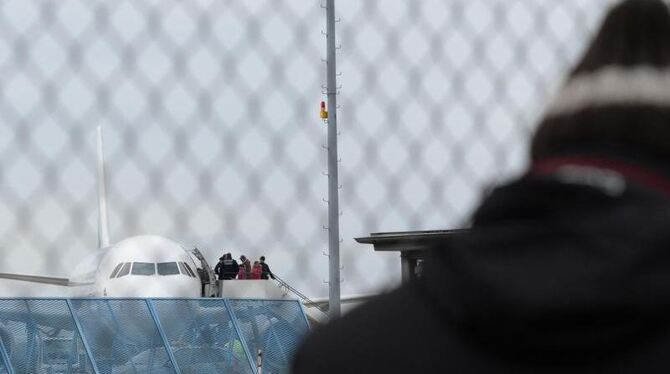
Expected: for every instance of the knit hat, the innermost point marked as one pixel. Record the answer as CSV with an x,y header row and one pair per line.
x,y
619,93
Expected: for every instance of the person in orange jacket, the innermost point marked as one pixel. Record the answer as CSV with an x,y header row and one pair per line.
x,y
245,268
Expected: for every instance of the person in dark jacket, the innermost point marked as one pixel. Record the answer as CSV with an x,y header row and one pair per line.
x,y
227,267
230,267
218,269
267,273
565,270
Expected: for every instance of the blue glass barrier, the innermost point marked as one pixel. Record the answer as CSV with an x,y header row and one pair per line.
x,y
275,327
4,358
40,336
3,367
202,336
123,336
160,336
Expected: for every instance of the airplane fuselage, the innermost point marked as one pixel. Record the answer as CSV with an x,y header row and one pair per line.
x,y
139,266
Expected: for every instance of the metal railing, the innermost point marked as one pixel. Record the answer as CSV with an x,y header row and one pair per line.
x,y
305,300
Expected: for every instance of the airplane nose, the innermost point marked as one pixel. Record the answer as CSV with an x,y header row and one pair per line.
x,y
141,287
168,288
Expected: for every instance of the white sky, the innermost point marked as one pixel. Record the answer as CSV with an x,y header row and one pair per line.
x,y
212,136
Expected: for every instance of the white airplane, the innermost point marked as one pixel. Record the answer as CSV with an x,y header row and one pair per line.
x,y
139,266
153,266
136,267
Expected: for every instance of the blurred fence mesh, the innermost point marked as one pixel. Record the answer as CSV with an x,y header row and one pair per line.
x,y
212,136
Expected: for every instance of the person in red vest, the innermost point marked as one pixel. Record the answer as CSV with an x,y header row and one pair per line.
x,y
256,270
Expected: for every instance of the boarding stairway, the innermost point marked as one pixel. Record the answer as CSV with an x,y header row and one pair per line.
x,y
209,284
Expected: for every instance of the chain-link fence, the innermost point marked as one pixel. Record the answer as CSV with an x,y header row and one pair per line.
x,y
212,135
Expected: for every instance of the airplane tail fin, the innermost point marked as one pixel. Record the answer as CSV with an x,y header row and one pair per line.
x,y
103,227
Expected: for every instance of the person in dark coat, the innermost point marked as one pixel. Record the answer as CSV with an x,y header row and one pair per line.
x,y
267,273
565,270
204,280
218,269
227,267
230,267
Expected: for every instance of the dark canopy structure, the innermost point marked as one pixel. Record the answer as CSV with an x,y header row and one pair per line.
x,y
412,246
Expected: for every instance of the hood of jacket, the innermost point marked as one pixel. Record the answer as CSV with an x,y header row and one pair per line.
x,y
569,263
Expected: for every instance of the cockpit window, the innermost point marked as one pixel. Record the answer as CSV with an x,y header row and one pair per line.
x,y
144,268
116,270
124,270
189,270
168,268
183,269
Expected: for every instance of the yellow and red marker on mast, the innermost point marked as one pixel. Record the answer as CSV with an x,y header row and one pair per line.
x,y
323,113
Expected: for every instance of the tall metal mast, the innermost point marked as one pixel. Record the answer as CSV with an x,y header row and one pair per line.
x,y
333,187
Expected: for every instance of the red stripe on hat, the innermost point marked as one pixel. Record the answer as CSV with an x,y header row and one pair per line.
x,y
631,172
